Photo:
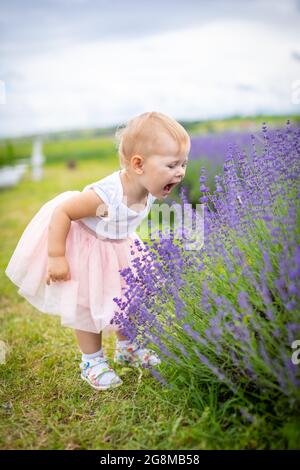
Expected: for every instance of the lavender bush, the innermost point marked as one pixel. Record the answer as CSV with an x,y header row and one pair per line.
x,y
227,314
210,151
215,146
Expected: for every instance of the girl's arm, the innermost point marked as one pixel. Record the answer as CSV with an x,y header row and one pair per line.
x,y
85,204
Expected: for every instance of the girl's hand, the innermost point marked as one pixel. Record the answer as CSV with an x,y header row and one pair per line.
x,y
57,269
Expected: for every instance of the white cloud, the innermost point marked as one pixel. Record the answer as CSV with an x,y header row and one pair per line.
x,y
219,68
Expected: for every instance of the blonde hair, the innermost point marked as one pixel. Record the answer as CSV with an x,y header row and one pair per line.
x,y
141,136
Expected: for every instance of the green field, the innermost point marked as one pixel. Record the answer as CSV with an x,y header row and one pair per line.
x,y
99,143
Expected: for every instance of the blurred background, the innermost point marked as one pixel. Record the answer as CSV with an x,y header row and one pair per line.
x,y
72,71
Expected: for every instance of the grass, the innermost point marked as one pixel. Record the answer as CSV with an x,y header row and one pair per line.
x,y
45,405
56,151
239,123
99,143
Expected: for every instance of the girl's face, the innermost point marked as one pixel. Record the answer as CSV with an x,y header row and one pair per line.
x,y
164,170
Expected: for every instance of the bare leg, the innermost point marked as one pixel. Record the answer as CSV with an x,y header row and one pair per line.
x,y
121,337
89,343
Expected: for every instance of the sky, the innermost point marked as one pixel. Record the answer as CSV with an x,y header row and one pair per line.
x,y
77,64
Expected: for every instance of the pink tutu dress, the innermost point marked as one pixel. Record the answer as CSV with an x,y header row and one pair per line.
x,y
97,248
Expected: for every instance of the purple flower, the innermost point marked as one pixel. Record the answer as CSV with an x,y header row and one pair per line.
x,y
235,301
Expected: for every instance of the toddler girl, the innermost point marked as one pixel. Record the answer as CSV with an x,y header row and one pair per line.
x,y
68,258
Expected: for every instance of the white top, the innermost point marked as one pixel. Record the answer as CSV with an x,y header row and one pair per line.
x,y
121,221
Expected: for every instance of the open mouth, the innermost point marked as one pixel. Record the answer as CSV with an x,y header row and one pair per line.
x,y
169,187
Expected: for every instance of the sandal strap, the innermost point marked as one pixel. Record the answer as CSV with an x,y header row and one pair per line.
x,y
93,362
103,371
96,362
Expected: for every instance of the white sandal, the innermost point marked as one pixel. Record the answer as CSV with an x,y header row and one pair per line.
x,y
93,370
128,356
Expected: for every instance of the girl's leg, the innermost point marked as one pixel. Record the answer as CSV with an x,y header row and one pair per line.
x,y
89,343
120,336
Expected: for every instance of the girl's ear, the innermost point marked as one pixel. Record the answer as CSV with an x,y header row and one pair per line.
x,y
137,163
